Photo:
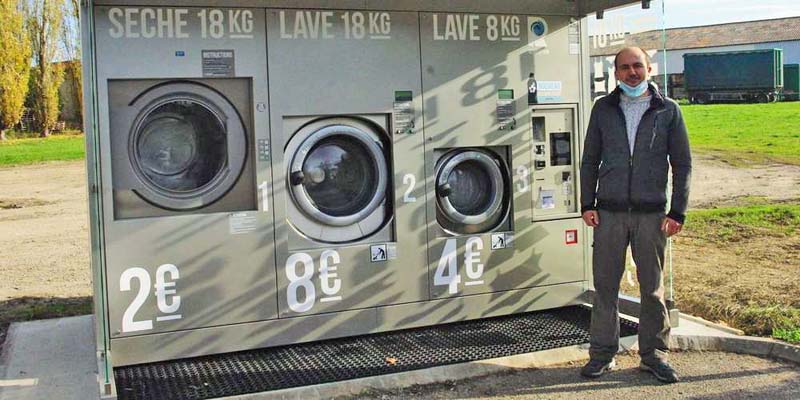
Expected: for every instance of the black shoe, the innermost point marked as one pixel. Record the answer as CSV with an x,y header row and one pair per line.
x,y
595,368
661,370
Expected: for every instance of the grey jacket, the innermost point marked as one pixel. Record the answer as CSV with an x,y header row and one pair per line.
x,y
613,179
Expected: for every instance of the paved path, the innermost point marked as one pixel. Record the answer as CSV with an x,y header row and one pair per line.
x,y
705,375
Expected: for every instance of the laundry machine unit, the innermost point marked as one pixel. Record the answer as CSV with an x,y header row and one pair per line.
x,y
187,233
348,164
484,245
262,176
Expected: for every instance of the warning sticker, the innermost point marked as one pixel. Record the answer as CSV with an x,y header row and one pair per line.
x,y
242,223
391,251
403,117
219,64
509,240
378,253
498,241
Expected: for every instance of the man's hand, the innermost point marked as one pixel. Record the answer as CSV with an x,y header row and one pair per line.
x,y
669,226
591,218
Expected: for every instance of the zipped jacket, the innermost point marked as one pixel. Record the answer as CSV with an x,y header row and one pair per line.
x,y
613,179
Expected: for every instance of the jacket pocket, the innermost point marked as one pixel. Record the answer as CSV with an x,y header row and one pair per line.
x,y
659,132
613,185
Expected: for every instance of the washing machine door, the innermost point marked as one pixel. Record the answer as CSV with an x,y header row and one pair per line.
x,y
187,146
471,194
338,177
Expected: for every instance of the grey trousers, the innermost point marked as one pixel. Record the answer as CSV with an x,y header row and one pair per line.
x,y
611,238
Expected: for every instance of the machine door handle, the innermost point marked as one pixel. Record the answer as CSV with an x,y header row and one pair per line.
x,y
444,190
296,178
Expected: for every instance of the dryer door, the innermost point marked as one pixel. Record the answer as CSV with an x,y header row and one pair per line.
x,y
187,146
470,191
338,177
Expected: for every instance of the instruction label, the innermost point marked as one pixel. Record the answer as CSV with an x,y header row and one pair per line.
x,y
219,64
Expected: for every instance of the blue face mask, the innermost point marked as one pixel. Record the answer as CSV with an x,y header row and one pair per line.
x,y
633,91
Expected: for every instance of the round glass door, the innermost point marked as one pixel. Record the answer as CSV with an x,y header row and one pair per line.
x,y
183,145
339,175
470,191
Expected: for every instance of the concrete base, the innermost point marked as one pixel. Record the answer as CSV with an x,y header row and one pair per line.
x,y
55,359
50,359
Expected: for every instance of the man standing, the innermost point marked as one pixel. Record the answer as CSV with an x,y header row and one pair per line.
x,y
634,134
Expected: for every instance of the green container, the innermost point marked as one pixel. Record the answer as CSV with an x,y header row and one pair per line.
x,y
734,70
791,81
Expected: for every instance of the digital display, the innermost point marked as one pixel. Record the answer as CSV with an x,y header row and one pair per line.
x,y
403,95
505,94
538,129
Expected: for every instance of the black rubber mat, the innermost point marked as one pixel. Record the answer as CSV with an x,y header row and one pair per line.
x,y
357,357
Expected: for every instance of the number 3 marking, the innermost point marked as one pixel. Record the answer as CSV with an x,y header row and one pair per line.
x,y
522,184
410,180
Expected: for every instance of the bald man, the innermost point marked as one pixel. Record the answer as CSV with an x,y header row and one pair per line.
x,y
635,134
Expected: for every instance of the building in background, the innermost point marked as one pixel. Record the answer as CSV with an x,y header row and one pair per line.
x,y
69,95
782,33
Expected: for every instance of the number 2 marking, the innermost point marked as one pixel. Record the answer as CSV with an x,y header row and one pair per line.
x,y
128,324
411,181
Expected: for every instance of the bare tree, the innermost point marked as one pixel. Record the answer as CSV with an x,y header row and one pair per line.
x,y
15,53
44,19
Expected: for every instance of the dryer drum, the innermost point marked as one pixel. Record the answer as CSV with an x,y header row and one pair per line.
x,y
186,147
181,146
470,191
338,175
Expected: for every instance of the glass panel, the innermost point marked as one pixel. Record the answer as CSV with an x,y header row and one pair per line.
x,y
471,188
627,26
645,28
181,146
340,176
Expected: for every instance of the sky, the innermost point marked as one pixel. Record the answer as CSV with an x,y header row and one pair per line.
x,y
683,13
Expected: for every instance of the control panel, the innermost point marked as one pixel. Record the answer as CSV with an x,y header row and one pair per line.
x,y
554,138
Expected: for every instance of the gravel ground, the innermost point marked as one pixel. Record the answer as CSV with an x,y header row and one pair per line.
x,y
45,254
705,375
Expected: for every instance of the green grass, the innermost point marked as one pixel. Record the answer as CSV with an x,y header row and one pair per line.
x,y
756,310
789,335
746,133
35,150
733,224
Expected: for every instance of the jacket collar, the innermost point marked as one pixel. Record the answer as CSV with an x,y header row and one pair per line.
x,y
656,98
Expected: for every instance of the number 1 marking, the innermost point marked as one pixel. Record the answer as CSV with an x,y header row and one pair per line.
x,y
264,190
